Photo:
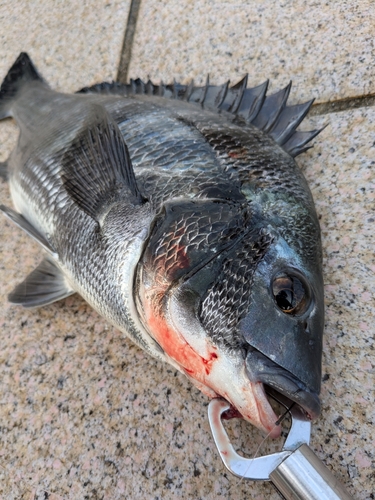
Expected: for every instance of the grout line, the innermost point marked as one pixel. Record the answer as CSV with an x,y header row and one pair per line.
x,y
126,51
324,108
320,108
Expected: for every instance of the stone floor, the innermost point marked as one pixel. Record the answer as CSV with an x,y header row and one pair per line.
x,y
84,414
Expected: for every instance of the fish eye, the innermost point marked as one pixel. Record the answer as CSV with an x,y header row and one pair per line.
x,y
290,294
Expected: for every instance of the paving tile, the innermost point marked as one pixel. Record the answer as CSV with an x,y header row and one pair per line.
x,y
340,171
73,43
326,48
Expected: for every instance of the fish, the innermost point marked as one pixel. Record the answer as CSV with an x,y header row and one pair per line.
x,y
179,213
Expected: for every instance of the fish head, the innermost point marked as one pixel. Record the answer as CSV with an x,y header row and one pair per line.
x,y
234,306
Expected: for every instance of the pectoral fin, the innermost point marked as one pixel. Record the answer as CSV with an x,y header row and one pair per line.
x,y
96,170
44,285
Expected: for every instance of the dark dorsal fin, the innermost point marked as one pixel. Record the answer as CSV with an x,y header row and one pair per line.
x,y
234,96
297,143
109,88
252,105
96,169
270,111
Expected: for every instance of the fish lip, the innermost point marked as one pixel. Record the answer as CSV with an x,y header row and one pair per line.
x,y
262,369
308,401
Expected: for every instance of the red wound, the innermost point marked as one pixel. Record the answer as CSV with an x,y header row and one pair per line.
x,y
177,348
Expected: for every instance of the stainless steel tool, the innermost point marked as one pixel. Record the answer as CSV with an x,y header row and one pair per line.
x,y
296,471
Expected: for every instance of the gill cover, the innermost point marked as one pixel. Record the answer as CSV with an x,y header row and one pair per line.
x,y
236,277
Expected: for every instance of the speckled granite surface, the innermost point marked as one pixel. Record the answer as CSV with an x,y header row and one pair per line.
x,y
75,43
86,414
326,48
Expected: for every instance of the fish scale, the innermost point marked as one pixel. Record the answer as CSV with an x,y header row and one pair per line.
x,y
180,215
232,290
87,263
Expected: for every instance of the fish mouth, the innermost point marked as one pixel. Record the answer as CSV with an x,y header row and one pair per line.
x,y
259,368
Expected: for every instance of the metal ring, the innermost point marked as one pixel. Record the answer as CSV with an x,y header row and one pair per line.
x,y
259,468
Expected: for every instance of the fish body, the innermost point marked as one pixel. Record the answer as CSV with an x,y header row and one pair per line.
x,y
180,215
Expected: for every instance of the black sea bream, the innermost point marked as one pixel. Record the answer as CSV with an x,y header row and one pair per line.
x,y
180,215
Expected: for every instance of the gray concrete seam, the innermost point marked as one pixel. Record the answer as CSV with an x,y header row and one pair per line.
x,y
127,44
324,108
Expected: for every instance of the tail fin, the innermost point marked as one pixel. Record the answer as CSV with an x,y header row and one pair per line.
x,y
22,72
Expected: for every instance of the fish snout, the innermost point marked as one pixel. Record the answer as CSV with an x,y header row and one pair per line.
x,y
259,368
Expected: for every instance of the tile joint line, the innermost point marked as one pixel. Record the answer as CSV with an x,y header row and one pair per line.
x,y
126,50
321,108
324,108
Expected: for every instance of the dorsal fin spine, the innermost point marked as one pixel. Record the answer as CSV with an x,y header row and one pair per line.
x,y
286,91
205,88
224,89
161,89
189,90
237,101
150,88
272,107
297,142
248,104
258,103
288,121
